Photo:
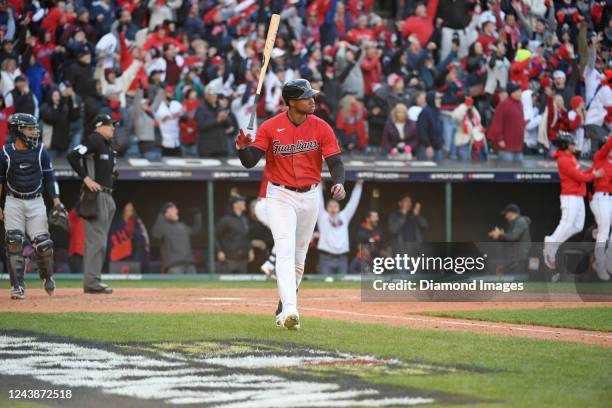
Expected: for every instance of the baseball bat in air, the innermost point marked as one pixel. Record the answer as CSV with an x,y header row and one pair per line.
x,y
270,39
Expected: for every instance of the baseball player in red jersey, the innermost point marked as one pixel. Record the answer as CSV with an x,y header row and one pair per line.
x,y
573,190
262,215
295,143
601,206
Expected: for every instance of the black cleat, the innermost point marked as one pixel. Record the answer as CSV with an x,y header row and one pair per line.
x,y
100,289
49,285
17,292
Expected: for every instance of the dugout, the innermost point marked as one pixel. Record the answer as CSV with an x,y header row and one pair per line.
x,y
462,201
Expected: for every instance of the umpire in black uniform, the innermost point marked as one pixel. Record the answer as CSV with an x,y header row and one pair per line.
x,y
94,161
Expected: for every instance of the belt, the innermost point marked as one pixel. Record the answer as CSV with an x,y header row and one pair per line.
x,y
106,190
24,196
296,189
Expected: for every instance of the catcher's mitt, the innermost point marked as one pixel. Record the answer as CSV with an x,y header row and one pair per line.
x,y
59,217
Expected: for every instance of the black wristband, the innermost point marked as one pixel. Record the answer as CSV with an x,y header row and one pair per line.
x,y
336,168
250,156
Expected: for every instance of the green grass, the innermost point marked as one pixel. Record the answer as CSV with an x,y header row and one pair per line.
x,y
5,402
194,284
537,373
592,318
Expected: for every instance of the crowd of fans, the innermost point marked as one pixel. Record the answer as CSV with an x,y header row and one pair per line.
x,y
454,79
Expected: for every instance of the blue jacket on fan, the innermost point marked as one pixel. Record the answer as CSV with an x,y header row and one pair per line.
x,y
429,124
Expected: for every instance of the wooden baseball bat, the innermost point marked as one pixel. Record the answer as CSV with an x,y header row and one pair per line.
x,y
270,39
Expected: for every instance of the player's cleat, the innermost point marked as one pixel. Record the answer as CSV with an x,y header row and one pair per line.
x,y
17,292
100,289
49,285
602,273
292,322
268,269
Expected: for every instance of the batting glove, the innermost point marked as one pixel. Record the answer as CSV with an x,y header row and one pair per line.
x,y
243,141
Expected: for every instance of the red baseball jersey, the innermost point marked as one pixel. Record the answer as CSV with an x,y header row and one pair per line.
x,y
573,180
602,161
294,154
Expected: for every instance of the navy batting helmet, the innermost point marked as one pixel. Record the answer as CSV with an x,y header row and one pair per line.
x,y
298,89
17,121
565,139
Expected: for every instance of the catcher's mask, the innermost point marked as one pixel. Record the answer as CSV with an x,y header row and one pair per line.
x,y
20,122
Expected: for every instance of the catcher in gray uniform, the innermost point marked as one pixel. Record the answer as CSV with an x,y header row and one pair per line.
x,y
26,172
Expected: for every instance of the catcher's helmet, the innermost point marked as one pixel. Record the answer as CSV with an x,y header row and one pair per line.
x,y
298,89
17,121
565,139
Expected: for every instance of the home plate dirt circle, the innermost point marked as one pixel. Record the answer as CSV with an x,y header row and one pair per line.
x,y
343,304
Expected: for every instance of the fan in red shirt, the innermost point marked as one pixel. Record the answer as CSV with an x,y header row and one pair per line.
x,y
601,207
573,190
188,124
295,143
44,49
421,24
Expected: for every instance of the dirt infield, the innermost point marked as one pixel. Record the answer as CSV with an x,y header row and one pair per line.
x,y
340,304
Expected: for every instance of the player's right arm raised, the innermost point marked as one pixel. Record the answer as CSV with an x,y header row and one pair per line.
x,y
249,155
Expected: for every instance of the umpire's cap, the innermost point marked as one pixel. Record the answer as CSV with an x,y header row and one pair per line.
x,y
298,89
564,139
103,120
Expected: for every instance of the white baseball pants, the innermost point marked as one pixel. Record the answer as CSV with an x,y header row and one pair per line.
x,y
292,218
261,211
601,206
571,223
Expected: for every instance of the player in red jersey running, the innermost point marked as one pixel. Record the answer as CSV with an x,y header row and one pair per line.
x,y
573,190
